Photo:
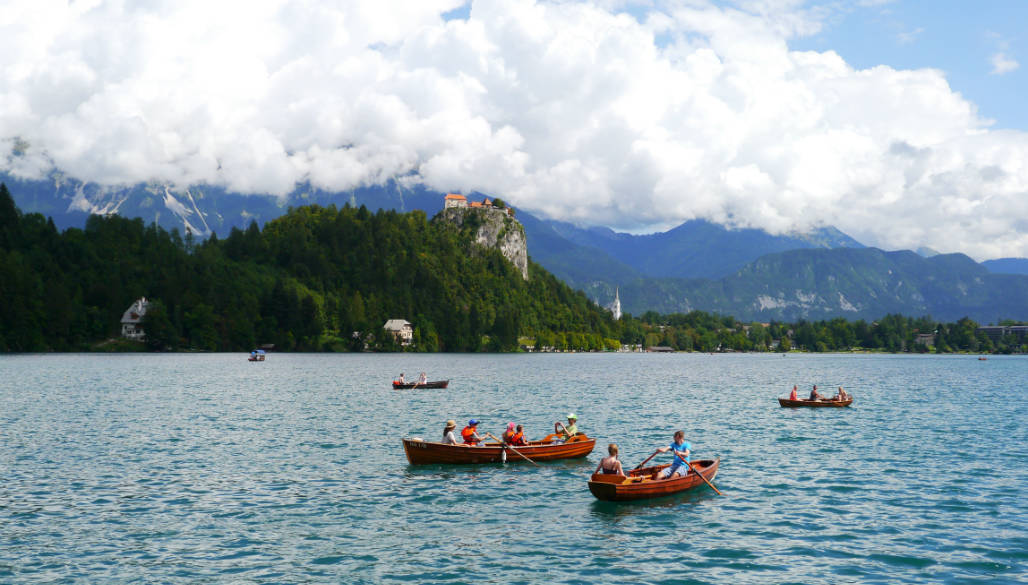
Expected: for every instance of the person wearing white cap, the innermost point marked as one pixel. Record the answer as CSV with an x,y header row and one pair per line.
x,y
567,431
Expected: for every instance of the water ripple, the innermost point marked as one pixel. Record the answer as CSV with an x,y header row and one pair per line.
x,y
208,469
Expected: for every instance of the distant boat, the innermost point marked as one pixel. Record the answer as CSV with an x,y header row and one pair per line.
x,y
828,402
256,355
413,385
982,358
640,483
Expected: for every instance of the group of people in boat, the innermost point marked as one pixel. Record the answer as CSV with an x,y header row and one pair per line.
x,y
514,435
421,379
840,395
679,447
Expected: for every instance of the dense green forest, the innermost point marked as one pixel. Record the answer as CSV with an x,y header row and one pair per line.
x,y
327,279
314,279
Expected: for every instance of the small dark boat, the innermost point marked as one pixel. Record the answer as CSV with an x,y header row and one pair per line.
x,y
817,403
642,483
421,452
413,385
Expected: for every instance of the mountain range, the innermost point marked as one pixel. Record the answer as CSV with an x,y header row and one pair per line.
x,y
698,265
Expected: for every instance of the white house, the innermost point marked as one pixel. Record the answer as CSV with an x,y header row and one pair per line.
x,y
132,320
402,330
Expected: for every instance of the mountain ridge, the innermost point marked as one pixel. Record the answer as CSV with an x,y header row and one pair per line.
x,y
696,265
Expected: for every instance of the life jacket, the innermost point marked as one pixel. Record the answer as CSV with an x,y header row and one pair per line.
x,y
468,434
508,437
517,439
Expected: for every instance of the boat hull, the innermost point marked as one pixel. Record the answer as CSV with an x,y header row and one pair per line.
x,y
815,403
641,485
413,385
421,452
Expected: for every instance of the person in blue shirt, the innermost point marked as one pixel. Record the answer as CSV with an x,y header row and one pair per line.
x,y
680,465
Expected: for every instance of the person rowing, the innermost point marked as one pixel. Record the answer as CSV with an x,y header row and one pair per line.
x,y
792,395
815,395
470,433
680,464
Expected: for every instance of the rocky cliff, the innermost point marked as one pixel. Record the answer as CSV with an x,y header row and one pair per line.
x,y
493,228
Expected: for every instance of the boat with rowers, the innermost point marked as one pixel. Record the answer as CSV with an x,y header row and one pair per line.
x,y
397,385
421,452
644,483
816,403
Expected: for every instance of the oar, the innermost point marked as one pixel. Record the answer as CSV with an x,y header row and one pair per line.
x,y
645,460
689,463
505,446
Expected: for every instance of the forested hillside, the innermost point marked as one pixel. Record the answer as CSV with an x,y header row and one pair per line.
x,y
316,278
327,279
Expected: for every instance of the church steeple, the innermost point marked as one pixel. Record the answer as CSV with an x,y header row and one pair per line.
x,y
615,307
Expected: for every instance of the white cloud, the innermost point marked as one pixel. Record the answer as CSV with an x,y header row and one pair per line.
x,y
1003,64
574,110
908,37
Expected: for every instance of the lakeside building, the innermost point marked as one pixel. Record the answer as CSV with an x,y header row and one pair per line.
x,y
132,320
401,330
998,332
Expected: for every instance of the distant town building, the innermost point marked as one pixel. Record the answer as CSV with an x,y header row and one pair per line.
x,y
925,339
615,306
132,320
997,332
401,330
454,200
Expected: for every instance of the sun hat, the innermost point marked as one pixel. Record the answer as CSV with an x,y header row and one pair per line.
x,y
472,422
451,424
572,416
510,426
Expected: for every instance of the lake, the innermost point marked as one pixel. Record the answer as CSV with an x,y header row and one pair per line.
x,y
205,468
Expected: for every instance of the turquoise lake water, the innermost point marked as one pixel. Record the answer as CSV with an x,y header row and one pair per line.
x,y
210,469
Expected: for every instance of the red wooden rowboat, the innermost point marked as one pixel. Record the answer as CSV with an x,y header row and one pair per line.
x,y
412,385
836,403
640,483
420,452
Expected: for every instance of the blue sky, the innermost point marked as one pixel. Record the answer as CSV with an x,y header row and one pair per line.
x,y
959,37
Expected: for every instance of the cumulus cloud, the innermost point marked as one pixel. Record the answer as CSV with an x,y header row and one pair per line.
x,y
635,115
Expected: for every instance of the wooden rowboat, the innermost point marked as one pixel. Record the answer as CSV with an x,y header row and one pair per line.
x,y
420,452
412,385
640,483
835,403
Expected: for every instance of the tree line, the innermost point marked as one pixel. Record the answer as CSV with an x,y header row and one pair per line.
x,y
327,279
